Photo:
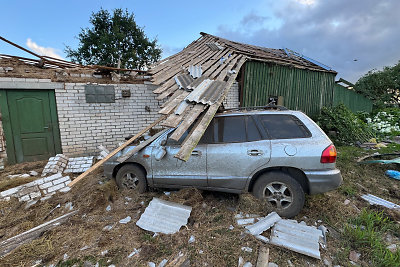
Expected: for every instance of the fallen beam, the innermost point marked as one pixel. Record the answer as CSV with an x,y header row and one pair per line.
x,y
127,143
263,257
13,242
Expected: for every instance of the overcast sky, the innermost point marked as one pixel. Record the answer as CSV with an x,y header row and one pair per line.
x,y
351,36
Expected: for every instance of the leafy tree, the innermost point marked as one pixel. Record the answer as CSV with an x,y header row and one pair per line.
x,y
112,38
383,87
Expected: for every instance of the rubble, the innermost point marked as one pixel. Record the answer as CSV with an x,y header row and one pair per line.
x,y
164,216
43,187
79,164
55,164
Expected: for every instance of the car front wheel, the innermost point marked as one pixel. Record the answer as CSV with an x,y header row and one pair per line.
x,y
131,177
281,191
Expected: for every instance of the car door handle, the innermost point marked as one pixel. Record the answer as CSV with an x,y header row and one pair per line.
x,y
254,152
196,153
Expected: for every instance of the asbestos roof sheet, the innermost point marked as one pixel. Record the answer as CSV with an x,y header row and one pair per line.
x,y
374,200
215,46
196,82
163,216
297,237
208,92
195,71
183,80
263,224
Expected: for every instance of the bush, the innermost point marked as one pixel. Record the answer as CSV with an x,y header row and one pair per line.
x,y
348,128
385,122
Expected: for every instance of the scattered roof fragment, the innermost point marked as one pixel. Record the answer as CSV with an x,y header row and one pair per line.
x,y
195,71
183,80
374,200
297,237
163,216
215,46
263,224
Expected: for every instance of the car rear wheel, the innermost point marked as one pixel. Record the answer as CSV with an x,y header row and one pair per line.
x,y
281,191
131,177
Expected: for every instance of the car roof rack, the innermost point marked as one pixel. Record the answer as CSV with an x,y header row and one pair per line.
x,y
269,106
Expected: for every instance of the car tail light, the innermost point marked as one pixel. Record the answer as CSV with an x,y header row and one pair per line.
x,y
329,155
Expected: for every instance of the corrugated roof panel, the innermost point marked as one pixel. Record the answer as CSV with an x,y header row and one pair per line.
x,y
195,71
194,96
164,216
374,200
212,93
215,46
196,83
182,107
263,224
183,80
297,237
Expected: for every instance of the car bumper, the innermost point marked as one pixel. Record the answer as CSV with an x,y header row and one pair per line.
x,y
323,181
108,168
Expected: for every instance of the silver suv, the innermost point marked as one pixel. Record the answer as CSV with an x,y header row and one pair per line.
x,y
277,155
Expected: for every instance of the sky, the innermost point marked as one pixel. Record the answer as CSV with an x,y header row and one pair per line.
x,y
351,36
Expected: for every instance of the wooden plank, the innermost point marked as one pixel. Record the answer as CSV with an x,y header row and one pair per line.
x,y
216,72
191,142
187,121
221,76
164,86
10,244
127,143
169,91
173,120
142,145
175,95
263,257
171,106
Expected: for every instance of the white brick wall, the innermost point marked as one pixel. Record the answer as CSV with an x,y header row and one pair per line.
x,y
85,126
232,99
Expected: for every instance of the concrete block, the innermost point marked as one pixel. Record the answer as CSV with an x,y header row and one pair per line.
x,y
53,177
35,194
27,190
65,189
61,180
55,188
9,192
46,185
24,198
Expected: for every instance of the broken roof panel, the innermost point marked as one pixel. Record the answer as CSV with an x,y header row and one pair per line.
x,y
374,200
183,80
215,46
297,237
163,216
195,71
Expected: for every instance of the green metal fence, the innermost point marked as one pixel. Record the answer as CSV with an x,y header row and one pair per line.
x,y
354,101
298,89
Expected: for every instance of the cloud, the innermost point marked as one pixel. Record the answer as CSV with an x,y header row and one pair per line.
x,y
169,50
43,51
352,37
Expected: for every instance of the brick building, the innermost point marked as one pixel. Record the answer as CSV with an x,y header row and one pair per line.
x,y
48,111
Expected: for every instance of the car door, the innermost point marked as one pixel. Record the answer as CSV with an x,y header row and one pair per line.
x,y
238,149
170,171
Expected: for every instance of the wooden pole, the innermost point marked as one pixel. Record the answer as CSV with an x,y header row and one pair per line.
x,y
99,163
263,257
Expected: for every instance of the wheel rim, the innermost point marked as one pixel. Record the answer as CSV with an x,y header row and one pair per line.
x,y
130,181
279,195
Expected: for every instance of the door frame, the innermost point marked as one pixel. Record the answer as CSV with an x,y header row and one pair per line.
x,y
9,137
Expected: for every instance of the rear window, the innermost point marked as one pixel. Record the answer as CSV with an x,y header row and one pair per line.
x,y
281,126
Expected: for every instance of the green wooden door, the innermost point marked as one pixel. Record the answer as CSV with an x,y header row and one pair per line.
x,y
32,120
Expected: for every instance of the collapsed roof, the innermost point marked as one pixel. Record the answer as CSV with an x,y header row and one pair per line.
x,y
196,80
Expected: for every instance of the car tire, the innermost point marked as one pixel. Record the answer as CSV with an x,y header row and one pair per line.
x,y
131,177
281,191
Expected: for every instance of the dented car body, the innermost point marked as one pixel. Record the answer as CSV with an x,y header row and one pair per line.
x,y
238,150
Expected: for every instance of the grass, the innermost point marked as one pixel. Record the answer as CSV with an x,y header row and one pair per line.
x,y
365,234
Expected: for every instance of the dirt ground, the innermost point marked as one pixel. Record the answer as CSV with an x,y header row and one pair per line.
x,y
85,240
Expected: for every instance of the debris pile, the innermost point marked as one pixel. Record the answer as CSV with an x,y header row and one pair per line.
x,y
40,188
288,234
55,164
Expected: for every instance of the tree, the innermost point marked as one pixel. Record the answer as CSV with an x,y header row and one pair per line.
x,y
383,87
112,39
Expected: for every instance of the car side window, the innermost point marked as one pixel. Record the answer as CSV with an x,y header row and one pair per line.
x,y
204,139
230,129
253,134
281,126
